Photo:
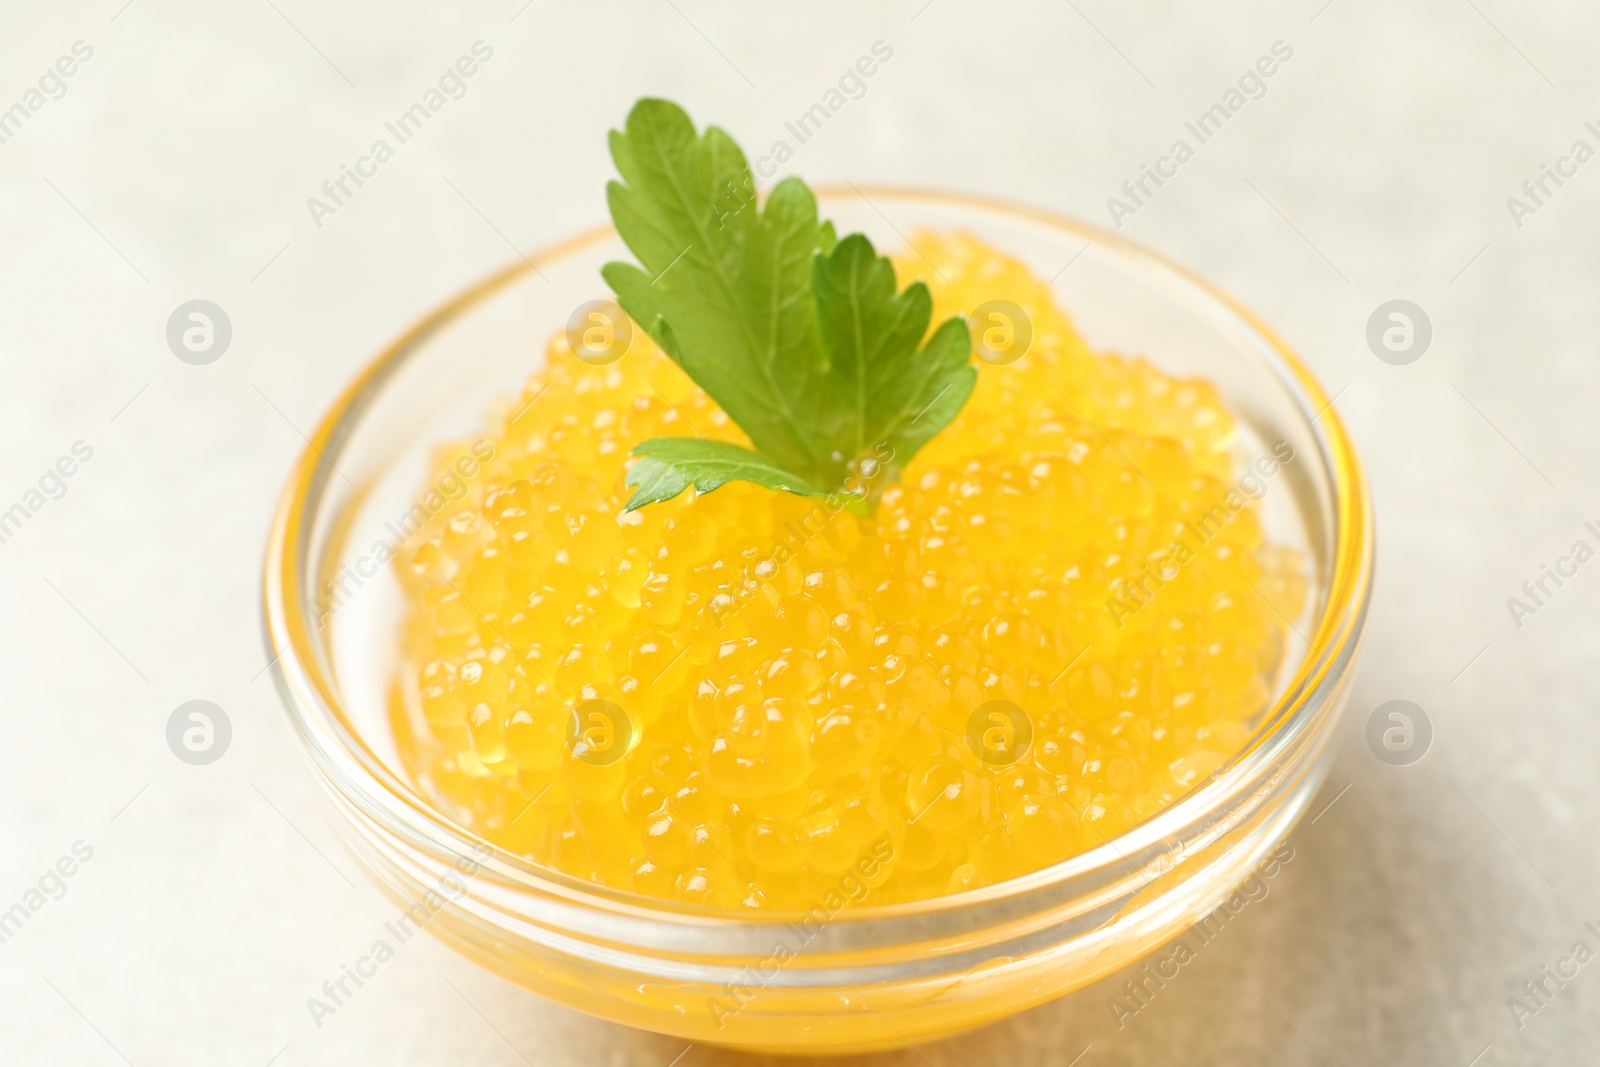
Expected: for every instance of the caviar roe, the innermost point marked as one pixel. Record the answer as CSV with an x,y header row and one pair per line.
x,y
789,685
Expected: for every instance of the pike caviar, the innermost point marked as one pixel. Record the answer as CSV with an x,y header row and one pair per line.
x,y
749,698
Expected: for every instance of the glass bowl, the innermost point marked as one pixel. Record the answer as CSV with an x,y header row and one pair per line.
x,y
834,979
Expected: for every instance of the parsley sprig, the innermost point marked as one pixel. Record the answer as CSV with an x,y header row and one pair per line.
x,y
803,339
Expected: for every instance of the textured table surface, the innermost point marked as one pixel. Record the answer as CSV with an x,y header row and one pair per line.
x,y
1376,163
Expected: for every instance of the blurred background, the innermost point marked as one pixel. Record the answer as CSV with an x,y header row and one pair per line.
x,y
158,152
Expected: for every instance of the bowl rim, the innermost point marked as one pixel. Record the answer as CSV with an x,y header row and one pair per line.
x,y
339,753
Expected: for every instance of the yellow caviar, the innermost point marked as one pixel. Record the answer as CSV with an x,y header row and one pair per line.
x,y
749,698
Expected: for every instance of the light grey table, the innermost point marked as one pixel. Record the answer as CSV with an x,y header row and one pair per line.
x,y
176,162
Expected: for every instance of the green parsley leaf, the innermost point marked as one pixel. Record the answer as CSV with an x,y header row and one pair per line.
x,y
889,392
727,293
801,339
668,465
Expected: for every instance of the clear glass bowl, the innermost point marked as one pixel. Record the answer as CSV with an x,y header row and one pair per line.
x,y
864,977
